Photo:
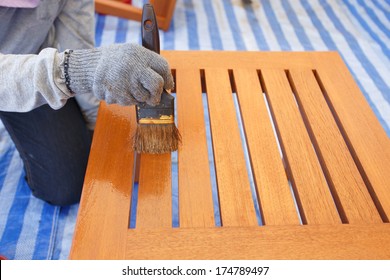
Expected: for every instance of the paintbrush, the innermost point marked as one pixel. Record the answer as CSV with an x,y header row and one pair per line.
x,y
156,131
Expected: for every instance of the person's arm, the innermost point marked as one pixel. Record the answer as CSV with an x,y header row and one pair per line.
x,y
29,81
124,74
75,29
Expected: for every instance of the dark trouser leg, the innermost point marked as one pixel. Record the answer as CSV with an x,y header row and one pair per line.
x,y
54,146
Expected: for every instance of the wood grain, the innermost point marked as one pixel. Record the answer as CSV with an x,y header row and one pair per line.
x,y
311,188
235,198
349,190
244,59
102,221
195,198
154,207
367,139
276,200
328,242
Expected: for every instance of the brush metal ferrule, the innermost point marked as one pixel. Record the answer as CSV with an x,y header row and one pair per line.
x,y
163,113
162,120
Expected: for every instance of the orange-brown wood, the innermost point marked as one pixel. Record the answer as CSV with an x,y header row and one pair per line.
x,y
269,242
235,199
367,140
350,193
154,207
329,135
311,189
276,200
195,198
244,59
102,222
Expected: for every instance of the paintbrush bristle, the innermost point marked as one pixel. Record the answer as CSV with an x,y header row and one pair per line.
x,y
156,138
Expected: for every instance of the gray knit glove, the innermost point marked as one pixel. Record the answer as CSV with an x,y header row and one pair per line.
x,y
125,74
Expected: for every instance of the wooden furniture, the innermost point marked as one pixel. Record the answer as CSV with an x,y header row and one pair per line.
x,y
326,197
163,8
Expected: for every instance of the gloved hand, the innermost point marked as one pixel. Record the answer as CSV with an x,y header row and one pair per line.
x,y
125,74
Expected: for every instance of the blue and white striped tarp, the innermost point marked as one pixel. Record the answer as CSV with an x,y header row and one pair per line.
x,y
359,30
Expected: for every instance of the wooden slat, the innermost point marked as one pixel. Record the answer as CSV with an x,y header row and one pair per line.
x,y
234,59
195,198
235,199
276,200
102,222
312,191
154,207
366,137
352,195
268,242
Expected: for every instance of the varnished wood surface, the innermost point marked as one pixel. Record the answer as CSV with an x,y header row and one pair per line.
x,y
154,207
102,221
268,242
331,173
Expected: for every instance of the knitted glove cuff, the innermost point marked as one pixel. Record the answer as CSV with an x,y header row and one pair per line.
x,y
79,69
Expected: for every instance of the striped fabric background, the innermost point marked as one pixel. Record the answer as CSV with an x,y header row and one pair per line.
x,y
359,30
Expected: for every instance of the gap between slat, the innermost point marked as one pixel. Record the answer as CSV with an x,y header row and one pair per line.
x,y
281,155
290,178
233,185
174,168
252,182
210,152
317,151
173,71
355,158
134,193
175,177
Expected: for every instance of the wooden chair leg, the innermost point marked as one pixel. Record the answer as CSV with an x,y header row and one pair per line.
x,y
164,10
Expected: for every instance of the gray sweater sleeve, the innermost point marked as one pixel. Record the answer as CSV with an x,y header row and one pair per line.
x,y
74,29
29,81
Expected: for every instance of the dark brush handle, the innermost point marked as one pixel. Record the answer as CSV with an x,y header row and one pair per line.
x,y
151,41
149,29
